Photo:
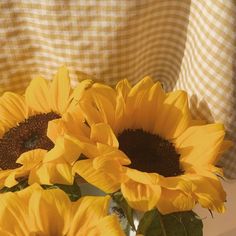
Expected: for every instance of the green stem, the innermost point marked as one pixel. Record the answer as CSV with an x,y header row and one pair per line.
x,y
161,223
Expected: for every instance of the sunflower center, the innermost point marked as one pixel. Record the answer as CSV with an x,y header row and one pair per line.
x,y
27,135
150,153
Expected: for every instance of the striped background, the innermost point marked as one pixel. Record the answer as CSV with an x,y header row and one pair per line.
x,y
187,44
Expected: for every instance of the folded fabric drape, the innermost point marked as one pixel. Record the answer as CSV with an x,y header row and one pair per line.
x,y
188,44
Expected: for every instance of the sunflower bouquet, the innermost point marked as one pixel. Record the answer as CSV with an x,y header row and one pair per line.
x,y
137,145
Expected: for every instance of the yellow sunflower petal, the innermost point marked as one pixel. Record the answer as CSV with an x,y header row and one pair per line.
x,y
37,95
113,153
31,158
55,129
142,197
5,233
104,99
98,104
135,97
88,149
95,176
11,181
61,173
209,192
176,183
173,183
107,226
49,212
206,170
13,110
80,91
64,151
39,175
50,173
111,167
74,123
216,171
123,88
200,145
105,91
90,112
143,177
120,120
143,84
174,117
153,104
60,91
103,133
87,212
26,193
139,110
174,201
3,175
13,216
29,161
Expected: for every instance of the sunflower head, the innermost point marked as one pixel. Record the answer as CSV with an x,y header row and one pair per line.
x,y
24,126
171,156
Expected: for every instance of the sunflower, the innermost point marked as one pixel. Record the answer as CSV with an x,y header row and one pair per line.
x,y
144,142
25,148
34,211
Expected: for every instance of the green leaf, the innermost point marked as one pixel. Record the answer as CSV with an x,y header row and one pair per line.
x,y
73,191
128,211
176,224
147,221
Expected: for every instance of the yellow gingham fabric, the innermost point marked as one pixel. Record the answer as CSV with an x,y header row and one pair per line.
x,y
185,44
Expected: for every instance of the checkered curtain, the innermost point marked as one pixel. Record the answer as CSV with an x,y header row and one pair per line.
x,y
187,44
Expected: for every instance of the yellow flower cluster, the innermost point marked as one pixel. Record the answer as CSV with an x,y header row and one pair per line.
x,y
135,139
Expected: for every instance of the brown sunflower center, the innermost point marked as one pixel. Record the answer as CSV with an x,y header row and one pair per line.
x,y
27,135
150,153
